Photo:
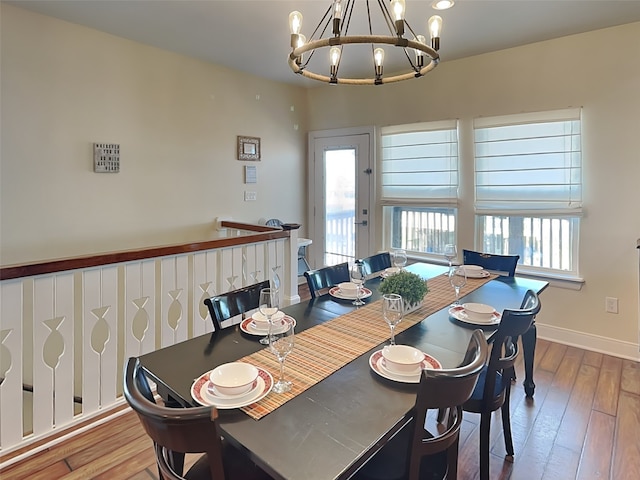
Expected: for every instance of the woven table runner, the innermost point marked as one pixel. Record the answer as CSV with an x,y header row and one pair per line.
x,y
324,349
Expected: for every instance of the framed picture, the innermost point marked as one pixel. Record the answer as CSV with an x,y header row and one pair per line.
x,y
248,148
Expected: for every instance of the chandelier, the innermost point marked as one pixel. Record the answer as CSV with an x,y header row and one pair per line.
x,y
332,33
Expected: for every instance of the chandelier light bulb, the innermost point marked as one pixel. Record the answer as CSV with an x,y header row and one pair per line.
x,y
419,53
398,8
295,22
435,27
378,57
378,60
300,41
337,9
334,56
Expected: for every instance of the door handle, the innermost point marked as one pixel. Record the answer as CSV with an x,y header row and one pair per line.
x,y
363,223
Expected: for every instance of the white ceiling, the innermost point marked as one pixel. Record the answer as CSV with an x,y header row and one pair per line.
x,y
253,35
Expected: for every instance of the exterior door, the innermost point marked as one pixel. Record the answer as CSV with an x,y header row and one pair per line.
x,y
340,196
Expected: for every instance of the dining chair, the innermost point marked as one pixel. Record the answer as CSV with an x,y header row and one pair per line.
x,y
185,430
326,277
494,384
500,264
506,265
237,302
376,263
419,450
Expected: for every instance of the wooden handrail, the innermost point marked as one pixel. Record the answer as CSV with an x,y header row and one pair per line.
x,y
261,234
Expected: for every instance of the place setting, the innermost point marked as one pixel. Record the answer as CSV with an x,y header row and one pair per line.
x,y
476,314
399,363
355,289
232,385
268,313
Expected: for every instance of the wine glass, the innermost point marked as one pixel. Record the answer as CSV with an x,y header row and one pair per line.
x,y
450,253
357,276
399,257
268,305
281,342
457,279
392,311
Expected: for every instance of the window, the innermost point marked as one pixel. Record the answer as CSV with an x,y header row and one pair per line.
x,y
419,185
528,182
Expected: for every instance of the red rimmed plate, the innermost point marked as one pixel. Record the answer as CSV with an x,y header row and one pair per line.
x,y
204,395
376,362
459,314
248,327
335,292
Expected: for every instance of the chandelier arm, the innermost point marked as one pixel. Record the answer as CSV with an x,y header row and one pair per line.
x,y
387,17
320,23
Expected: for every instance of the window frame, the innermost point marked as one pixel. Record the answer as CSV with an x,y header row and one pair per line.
x,y
571,211
388,203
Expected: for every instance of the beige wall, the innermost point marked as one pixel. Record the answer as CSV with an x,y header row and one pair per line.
x,y
599,71
64,87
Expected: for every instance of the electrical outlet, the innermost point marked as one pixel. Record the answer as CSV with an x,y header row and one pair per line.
x,y
250,196
611,304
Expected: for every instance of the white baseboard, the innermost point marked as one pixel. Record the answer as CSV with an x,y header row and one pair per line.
x,y
587,341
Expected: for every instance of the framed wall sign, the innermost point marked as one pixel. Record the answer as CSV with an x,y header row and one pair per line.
x,y
248,148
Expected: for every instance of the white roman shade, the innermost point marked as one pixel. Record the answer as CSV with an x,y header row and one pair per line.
x,y
529,164
420,164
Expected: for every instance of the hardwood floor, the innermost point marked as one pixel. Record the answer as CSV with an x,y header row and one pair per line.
x,y
583,423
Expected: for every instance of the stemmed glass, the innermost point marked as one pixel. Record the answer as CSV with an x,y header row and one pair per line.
x,y
392,311
281,342
399,258
268,305
457,279
450,253
357,276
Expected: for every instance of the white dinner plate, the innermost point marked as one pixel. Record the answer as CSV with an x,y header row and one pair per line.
x,y
335,292
459,314
376,362
204,395
248,326
480,274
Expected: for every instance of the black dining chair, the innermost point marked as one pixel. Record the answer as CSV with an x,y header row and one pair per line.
x,y
494,384
500,264
505,265
185,430
376,263
234,303
417,452
326,277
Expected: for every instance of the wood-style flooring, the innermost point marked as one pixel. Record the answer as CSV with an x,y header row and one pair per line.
x,y
583,423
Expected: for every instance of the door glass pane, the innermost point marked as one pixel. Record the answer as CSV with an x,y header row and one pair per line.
x,y
340,205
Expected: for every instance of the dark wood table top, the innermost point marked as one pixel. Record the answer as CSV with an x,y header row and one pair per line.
x,y
331,429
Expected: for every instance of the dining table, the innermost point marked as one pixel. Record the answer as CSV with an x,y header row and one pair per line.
x,y
332,426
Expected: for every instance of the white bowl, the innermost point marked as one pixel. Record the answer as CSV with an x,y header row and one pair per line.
x,y
402,358
348,288
261,321
234,378
391,270
479,312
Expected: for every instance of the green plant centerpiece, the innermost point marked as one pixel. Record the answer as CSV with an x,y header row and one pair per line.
x,y
411,287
